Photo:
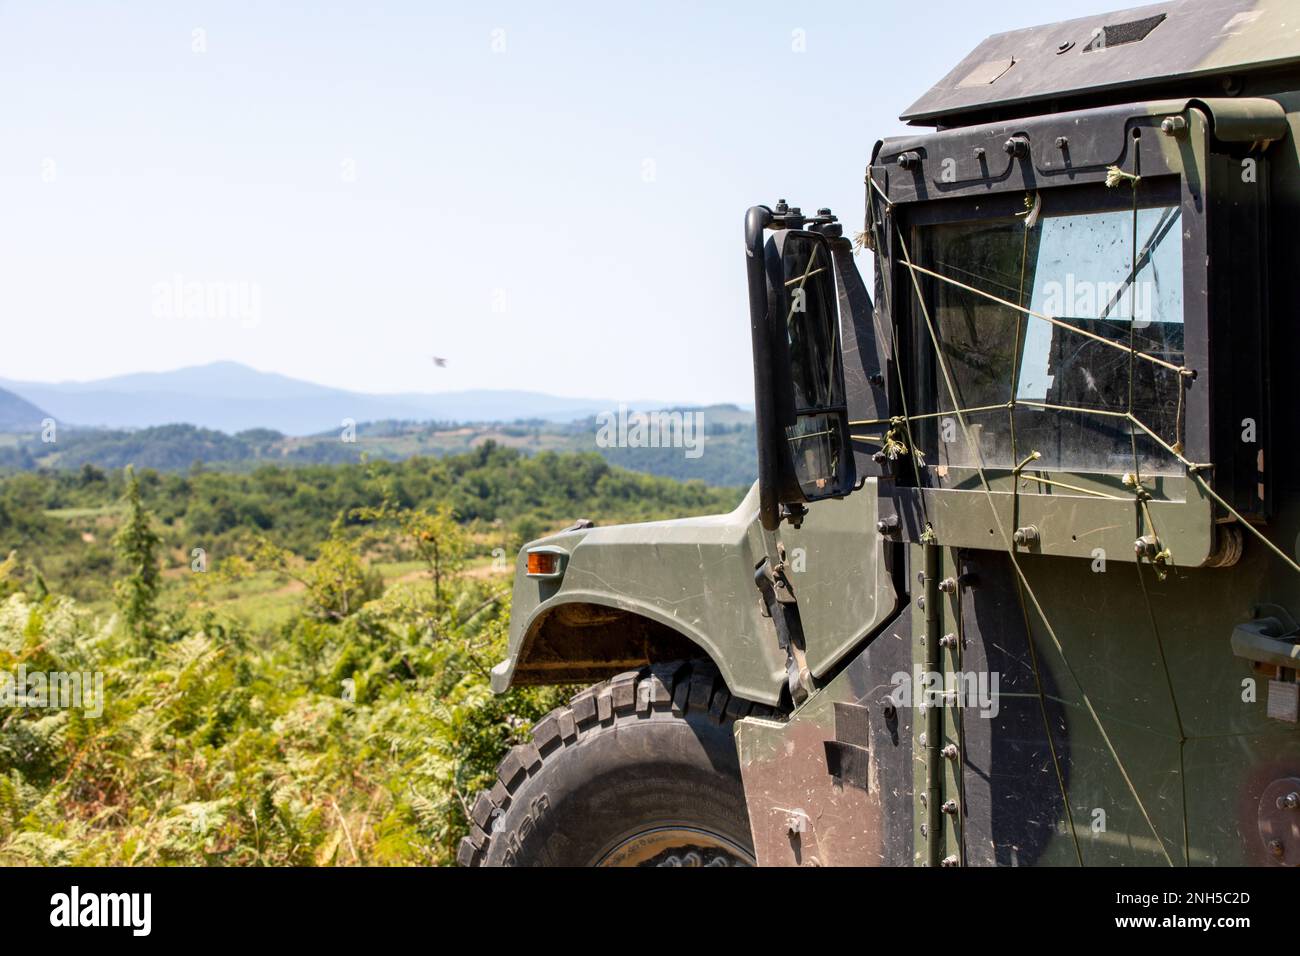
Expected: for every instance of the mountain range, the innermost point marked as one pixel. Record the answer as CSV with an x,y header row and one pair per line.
x,y
231,397
19,415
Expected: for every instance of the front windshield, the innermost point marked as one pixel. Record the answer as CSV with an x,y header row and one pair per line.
x,y
1108,283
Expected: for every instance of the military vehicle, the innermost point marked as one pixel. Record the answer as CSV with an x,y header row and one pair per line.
x,y
1018,581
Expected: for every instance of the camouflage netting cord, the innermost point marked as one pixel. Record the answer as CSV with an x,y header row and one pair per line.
x,y
894,449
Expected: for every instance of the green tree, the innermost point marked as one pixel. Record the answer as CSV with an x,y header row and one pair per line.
x,y
137,548
437,537
337,583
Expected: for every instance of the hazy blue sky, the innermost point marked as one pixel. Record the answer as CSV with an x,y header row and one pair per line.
x,y
381,185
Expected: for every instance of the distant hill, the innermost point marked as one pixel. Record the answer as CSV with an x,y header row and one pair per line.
x,y
230,397
19,415
726,456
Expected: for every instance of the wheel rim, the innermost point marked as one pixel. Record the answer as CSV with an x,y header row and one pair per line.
x,y
677,846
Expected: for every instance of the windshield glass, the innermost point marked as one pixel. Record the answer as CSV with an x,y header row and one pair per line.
x,y
1072,386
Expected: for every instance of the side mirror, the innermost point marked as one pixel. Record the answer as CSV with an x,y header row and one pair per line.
x,y
804,450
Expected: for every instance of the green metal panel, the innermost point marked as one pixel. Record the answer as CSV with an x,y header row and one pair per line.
x,y
696,575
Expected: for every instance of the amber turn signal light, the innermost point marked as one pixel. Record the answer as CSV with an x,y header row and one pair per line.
x,y
543,563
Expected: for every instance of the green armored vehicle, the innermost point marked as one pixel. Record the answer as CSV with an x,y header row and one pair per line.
x,y
1018,582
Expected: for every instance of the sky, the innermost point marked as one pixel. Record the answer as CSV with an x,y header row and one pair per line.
x,y
544,196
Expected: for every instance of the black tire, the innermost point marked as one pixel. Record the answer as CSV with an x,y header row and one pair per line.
x,y
638,770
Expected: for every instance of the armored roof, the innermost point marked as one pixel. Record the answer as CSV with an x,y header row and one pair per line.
x,y
1140,46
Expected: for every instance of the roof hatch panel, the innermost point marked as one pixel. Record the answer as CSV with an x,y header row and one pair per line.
x,y
1134,47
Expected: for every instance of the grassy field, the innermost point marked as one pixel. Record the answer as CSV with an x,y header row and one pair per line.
x,y
265,601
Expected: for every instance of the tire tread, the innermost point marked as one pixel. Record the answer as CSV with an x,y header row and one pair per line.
x,y
680,687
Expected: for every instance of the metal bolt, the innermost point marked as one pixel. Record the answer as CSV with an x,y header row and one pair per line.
x,y
1025,536
1275,847
948,585
887,525
950,751
949,806
948,640
1062,142
1173,125
909,160
1289,802
949,861
1146,546
1017,147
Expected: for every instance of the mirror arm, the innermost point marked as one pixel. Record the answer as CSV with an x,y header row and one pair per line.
x,y
757,219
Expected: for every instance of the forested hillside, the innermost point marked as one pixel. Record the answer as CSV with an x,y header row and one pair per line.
x,y
726,455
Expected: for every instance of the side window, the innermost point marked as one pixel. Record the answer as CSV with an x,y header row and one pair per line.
x,y
1100,283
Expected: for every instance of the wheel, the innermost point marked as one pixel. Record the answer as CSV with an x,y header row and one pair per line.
x,y
640,770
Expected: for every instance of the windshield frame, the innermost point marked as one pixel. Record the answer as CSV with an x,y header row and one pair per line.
x,y
964,174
